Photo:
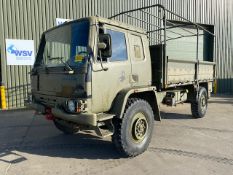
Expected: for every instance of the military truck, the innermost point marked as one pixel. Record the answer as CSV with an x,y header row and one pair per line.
x,y
111,76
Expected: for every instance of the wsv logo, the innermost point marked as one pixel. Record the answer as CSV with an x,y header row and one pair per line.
x,y
19,53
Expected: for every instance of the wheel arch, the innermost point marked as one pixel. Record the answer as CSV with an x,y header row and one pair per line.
x,y
148,94
192,91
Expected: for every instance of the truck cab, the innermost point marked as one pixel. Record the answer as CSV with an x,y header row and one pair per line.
x,y
72,75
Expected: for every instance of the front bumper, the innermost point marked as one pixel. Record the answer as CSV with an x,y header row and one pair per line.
x,y
81,118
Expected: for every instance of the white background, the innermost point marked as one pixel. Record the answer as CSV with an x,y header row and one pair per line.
x,y
21,45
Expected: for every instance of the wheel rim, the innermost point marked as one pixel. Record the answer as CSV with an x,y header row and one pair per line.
x,y
139,127
203,102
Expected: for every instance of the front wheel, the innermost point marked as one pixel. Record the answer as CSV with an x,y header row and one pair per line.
x,y
199,106
132,133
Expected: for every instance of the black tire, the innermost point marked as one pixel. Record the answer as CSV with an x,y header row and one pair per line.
x,y
65,127
132,133
199,106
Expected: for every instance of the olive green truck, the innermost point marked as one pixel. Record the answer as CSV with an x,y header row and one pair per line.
x,y
111,77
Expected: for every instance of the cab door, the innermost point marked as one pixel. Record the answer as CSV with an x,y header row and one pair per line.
x,y
107,84
140,60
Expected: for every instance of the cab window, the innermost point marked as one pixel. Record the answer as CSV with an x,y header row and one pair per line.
x,y
119,51
137,48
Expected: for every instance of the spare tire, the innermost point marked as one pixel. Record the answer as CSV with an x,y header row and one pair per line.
x,y
66,127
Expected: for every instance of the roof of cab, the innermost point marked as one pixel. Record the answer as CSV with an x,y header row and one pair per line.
x,y
117,24
97,19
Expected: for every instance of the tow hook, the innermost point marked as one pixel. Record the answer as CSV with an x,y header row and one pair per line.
x,y
48,114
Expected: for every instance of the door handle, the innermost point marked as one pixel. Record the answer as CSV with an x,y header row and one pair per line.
x,y
133,78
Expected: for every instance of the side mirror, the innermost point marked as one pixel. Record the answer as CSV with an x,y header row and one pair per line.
x,y
105,45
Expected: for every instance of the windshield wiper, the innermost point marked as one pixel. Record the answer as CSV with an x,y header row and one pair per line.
x,y
67,66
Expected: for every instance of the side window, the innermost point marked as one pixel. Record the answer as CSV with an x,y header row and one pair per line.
x,y
119,51
137,52
137,48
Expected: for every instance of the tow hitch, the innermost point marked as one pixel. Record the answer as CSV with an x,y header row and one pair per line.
x,y
48,114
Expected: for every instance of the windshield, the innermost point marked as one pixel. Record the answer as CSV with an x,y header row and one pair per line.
x,y
66,44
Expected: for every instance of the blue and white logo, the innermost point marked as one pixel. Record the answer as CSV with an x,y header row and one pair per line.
x,y
20,52
11,49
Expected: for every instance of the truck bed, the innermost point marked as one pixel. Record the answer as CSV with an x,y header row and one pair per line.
x,y
178,72
184,72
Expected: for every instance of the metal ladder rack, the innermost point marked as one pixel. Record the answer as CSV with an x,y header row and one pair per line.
x,y
157,28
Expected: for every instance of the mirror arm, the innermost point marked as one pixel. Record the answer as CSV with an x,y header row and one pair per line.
x,y
98,70
101,63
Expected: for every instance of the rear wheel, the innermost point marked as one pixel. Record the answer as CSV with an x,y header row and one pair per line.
x,y
199,106
66,127
132,133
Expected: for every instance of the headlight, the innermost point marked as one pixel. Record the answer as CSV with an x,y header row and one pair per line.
x,y
71,106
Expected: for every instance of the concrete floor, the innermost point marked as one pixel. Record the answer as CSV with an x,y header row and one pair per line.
x,y
31,145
